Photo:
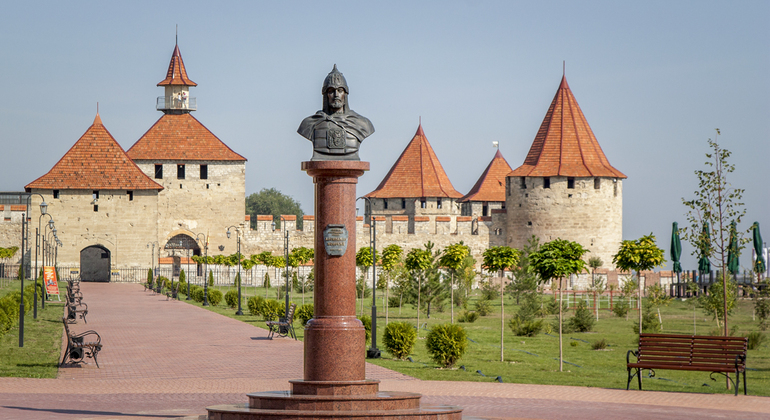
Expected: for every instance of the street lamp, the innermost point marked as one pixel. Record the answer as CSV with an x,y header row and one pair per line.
x,y
24,245
152,260
188,273
373,352
286,257
240,280
43,212
206,259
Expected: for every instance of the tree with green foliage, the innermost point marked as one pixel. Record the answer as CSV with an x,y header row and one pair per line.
x,y
452,258
638,255
273,202
597,286
713,303
299,256
364,260
392,256
717,203
498,259
657,296
523,281
558,259
418,261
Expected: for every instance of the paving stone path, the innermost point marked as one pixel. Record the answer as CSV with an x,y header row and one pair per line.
x,y
167,359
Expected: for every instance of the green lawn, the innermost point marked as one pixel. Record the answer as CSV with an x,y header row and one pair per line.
x,y
535,359
39,358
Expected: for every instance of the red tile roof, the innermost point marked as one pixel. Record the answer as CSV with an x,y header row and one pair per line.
x,y
416,173
181,137
95,162
491,183
565,144
176,74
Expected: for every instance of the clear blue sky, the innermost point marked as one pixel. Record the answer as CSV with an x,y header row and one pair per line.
x,y
653,78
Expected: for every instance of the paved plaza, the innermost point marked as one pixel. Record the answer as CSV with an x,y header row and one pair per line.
x,y
167,359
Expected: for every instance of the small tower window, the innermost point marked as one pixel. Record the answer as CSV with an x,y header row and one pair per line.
x,y
385,203
130,196
96,207
423,203
158,171
570,183
597,183
95,195
403,203
180,171
204,171
55,193
546,182
523,183
485,210
438,203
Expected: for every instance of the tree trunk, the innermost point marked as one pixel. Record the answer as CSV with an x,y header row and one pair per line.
x,y
452,297
639,279
561,353
502,317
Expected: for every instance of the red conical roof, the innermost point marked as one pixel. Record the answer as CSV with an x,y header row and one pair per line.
x,y
176,74
181,137
491,183
565,144
416,173
95,162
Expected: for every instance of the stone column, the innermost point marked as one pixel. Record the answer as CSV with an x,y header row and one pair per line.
x,y
335,338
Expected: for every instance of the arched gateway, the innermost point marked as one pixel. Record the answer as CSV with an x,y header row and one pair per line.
x,y
181,246
95,263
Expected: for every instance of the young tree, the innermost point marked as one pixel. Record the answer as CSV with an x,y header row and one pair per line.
x,y
300,256
417,262
717,203
596,287
364,260
452,258
638,255
497,259
271,201
391,257
524,281
555,260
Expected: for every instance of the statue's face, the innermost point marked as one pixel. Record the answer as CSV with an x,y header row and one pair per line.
x,y
336,97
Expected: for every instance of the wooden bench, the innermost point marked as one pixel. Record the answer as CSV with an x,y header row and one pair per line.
x,y
78,347
284,326
715,354
75,309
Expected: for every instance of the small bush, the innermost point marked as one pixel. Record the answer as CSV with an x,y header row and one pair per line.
x,y
489,291
215,297
197,294
149,277
255,305
164,282
756,339
231,298
211,278
399,339
483,307
468,316
573,343
305,313
272,309
446,344
583,320
394,301
5,323
599,344
552,307
526,328
620,308
650,322
367,321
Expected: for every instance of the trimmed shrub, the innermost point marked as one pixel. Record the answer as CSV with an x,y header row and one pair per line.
x,y
164,282
399,339
215,297
650,322
583,320
468,316
211,278
756,339
272,309
255,304
197,293
394,301
525,328
483,307
446,344
620,308
149,277
367,321
305,313
5,323
231,298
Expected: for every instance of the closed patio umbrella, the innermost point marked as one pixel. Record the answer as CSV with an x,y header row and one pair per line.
x,y
733,266
676,248
760,265
704,265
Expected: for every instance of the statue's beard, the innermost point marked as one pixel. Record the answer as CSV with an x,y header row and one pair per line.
x,y
337,103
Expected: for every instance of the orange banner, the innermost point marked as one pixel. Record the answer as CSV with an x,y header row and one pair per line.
x,y
49,277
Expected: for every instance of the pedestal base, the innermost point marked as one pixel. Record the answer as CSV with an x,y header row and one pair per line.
x,y
333,400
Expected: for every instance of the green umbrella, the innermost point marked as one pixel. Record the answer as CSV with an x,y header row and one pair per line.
x,y
733,265
676,248
760,264
704,265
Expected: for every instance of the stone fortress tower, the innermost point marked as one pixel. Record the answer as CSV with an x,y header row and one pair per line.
x,y
566,187
489,191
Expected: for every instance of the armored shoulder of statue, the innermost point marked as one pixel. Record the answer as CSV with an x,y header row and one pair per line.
x,y
336,131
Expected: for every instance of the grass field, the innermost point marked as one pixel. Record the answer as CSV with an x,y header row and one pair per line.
x,y
39,358
534,360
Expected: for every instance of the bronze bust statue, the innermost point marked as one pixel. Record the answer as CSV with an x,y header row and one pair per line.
x,y
335,131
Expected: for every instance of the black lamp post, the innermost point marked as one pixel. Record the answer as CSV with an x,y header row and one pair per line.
x,y
205,272
286,257
240,280
188,273
43,212
373,352
152,260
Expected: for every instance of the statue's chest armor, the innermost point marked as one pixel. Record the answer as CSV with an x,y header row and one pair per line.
x,y
331,138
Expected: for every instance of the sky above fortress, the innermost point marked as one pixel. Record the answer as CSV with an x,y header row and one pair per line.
x,y
654,79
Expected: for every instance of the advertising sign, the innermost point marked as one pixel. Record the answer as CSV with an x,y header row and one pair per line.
x,y
51,282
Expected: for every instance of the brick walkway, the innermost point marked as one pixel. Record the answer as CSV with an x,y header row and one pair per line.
x,y
166,359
